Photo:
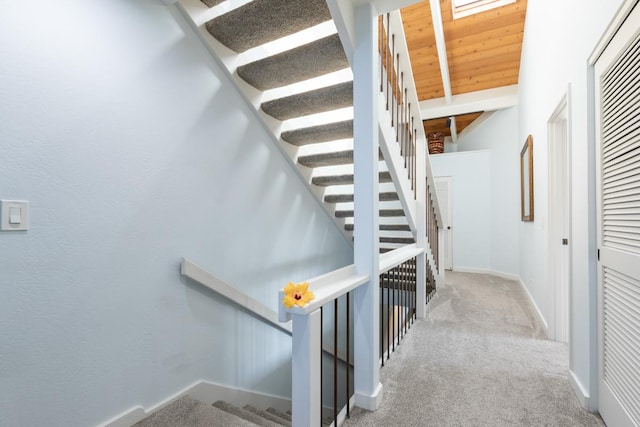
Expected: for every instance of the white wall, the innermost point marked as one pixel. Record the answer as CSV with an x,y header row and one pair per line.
x,y
133,151
554,55
470,204
499,134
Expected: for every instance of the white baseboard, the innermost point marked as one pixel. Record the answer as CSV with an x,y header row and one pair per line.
x,y
517,278
207,392
369,402
487,271
536,310
581,392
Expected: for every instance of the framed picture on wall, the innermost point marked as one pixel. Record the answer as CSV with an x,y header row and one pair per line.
x,y
526,180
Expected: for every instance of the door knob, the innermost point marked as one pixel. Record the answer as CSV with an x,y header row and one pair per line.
x,y
565,241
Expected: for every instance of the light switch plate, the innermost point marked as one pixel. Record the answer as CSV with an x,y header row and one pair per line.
x,y
14,215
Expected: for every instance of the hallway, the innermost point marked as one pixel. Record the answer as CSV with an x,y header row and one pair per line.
x,y
479,359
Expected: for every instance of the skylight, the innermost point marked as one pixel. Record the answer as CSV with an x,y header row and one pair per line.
x,y
462,8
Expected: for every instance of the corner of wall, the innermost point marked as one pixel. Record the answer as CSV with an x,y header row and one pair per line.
x,y
536,309
583,396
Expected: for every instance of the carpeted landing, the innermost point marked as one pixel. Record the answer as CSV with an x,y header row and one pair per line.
x,y
479,359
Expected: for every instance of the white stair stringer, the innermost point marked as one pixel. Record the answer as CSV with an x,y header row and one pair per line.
x,y
198,15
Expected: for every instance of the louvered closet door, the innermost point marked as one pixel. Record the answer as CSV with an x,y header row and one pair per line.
x,y
617,76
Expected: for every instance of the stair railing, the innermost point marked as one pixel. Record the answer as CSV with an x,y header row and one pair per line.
x,y
322,338
313,379
376,49
402,103
399,288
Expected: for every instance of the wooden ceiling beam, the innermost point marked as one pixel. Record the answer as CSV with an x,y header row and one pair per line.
x,y
483,100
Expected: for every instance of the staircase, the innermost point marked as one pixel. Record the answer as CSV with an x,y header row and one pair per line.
x,y
190,412
287,58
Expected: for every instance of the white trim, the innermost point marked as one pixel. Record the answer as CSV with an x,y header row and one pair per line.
x,y
200,275
475,125
395,164
517,278
441,46
196,14
306,363
471,102
537,311
613,27
496,273
556,295
390,259
469,8
324,294
369,402
207,392
580,391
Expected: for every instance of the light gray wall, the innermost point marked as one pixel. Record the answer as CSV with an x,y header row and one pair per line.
x,y
133,151
499,134
470,204
554,55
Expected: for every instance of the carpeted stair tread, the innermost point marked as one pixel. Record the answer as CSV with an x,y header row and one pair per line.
x,y
304,62
327,159
262,21
212,3
189,412
244,414
284,416
320,133
335,158
385,227
326,181
382,212
316,101
347,198
402,240
267,415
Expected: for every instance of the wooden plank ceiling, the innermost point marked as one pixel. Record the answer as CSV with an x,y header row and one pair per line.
x,y
483,52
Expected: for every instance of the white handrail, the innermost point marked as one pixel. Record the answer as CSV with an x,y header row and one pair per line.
x,y
200,275
326,288
398,256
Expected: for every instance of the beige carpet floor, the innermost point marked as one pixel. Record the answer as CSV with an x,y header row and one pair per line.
x,y
479,359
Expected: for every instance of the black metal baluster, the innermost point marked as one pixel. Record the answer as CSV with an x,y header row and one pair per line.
x,y
321,359
401,104
388,316
405,286
392,319
415,138
393,75
382,318
386,61
348,351
381,50
335,361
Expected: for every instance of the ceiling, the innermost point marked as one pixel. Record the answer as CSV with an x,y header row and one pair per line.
x,y
463,66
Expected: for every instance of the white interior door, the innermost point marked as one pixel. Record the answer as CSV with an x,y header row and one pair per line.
x,y
560,221
617,96
443,190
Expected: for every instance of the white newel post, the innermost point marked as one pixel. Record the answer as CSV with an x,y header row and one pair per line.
x,y
368,390
305,364
421,226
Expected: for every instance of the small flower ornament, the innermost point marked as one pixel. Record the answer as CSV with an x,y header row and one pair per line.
x,y
299,295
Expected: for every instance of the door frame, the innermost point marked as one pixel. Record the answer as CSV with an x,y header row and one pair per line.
x,y
606,402
447,234
559,170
